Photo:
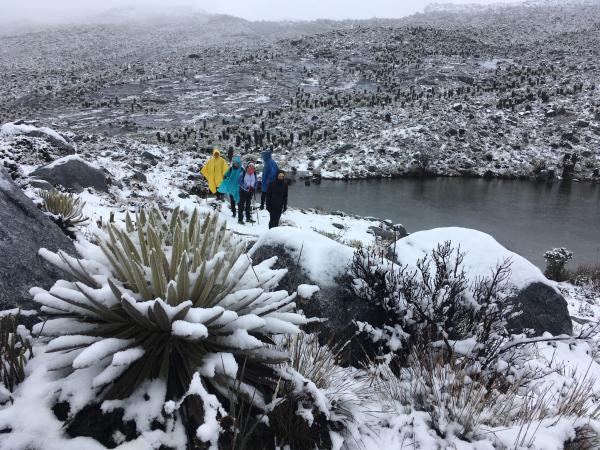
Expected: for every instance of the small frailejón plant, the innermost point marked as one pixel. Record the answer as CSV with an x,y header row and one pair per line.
x,y
15,350
66,210
176,300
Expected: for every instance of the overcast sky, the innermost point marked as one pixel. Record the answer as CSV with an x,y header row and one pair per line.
x,y
70,10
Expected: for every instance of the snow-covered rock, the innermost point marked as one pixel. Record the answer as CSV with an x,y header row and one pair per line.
x,y
23,230
74,173
541,305
53,137
313,259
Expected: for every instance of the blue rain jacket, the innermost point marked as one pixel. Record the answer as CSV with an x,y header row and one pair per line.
x,y
230,184
269,172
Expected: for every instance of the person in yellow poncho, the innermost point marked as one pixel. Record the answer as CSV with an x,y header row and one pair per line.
x,y
213,170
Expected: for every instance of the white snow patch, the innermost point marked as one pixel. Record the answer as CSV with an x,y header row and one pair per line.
x,y
482,254
322,258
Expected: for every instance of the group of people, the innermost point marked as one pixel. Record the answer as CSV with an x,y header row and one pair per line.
x,y
240,183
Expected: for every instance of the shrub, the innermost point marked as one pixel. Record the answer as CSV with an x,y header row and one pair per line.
x,y
556,261
66,210
175,300
586,275
422,160
15,350
435,304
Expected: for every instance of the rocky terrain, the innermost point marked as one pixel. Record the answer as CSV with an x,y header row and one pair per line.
x,y
502,91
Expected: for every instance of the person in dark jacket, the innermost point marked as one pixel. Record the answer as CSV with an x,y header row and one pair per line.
x,y
277,198
248,182
269,173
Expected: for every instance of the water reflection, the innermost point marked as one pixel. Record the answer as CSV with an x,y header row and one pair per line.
x,y
527,217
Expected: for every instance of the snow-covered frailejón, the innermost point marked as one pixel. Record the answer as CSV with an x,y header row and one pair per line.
x,y
138,313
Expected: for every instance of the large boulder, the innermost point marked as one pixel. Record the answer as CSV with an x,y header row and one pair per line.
x,y
74,173
48,134
538,303
312,258
24,229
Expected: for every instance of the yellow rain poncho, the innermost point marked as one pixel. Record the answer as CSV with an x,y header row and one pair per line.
x,y
213,171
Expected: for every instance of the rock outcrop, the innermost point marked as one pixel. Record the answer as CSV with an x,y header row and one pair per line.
x,y
540,307
73,173
315,259
24,229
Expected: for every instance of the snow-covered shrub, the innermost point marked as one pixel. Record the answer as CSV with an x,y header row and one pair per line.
x,y
435,304
422,160
299,420
319,363
15,350
66,210
179,302
556,262
586,276
456,404
459,404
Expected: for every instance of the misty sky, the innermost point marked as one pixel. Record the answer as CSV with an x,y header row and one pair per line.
x,y
72,10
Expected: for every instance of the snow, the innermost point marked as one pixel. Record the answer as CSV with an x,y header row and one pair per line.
x,y
307,290
100,350
222,363
188,330
66,159
482,254
11,129
322,258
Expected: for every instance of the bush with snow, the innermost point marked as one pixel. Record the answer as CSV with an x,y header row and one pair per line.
x,y
176,302
556,262
448,352
435,304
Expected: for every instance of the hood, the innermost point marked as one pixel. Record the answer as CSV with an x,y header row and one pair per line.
x,y
266,155
216,152
237,159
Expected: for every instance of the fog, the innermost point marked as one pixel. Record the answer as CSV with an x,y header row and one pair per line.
x,y
65,11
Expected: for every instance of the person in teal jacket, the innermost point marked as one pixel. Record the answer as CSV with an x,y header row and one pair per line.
x,y
230,184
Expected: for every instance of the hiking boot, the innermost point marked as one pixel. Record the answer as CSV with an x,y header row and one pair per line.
x,y
250,220
241,222
234,214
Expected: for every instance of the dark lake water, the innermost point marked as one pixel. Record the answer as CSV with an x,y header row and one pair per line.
x,y
526,217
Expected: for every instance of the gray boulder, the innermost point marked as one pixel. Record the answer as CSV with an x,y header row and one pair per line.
x,y
537,304
49,135
61,144
335,301
24,229
541,309
74,173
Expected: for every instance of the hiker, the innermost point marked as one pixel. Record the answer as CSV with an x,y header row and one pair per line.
x,y
268,175
248,183
213,171
277,197
230,184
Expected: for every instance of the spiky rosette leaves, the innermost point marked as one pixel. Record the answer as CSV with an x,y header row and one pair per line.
x,y
65,209
166,298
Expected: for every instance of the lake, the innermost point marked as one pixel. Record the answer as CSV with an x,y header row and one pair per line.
x,y
526,217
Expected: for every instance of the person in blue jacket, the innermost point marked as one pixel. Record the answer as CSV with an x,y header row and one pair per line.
x,y
268,175
230,184
248,182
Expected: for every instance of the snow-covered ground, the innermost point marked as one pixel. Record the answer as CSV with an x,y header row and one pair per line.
x,y
381,420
